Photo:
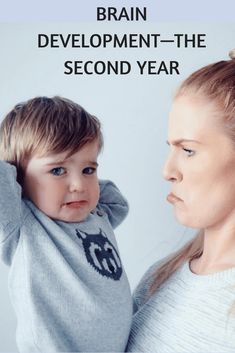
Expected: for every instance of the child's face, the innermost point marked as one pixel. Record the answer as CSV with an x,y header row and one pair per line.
x,y
65,189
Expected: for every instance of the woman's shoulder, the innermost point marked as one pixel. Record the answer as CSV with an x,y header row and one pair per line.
x,y
142,291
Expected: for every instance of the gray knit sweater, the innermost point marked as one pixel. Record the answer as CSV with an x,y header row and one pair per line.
x,y
189,313
66,283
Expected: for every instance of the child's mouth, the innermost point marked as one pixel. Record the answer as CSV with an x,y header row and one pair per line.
x,y
75,204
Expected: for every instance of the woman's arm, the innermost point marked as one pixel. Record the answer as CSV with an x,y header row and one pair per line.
x,y
142,292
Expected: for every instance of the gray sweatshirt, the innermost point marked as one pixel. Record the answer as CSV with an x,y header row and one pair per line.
x,y
188,313
66,282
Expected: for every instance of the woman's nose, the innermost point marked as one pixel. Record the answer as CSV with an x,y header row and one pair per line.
x,y
171,171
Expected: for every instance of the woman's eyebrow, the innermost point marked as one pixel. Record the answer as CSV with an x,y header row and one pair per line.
x,y
180,141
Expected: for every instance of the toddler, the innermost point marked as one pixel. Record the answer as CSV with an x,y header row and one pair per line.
x,y
66,282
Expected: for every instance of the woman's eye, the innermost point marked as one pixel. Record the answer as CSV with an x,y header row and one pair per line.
x,y
89,170
58,171
189,152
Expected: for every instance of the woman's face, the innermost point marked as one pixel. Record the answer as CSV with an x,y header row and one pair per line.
x,y
201,164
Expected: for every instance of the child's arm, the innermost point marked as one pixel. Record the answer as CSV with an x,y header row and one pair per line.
x,y
10,209
112,202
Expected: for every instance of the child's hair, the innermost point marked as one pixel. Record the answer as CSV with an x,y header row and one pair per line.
x,y
215,82
45,125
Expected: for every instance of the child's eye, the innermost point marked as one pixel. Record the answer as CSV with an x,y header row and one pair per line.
x,y
89,170
58,171
189,152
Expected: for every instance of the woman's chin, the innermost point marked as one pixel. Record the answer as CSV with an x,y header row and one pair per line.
x,y
186,220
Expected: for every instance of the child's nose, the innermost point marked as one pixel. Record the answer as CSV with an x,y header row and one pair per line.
x,y
76,184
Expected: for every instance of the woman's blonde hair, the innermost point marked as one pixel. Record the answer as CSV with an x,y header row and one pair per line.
x,y
215,82
45,125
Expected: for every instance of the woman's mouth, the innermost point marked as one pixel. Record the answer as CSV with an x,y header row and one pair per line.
x,y
172,198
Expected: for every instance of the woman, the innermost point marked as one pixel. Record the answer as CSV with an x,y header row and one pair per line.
x,y
186,303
